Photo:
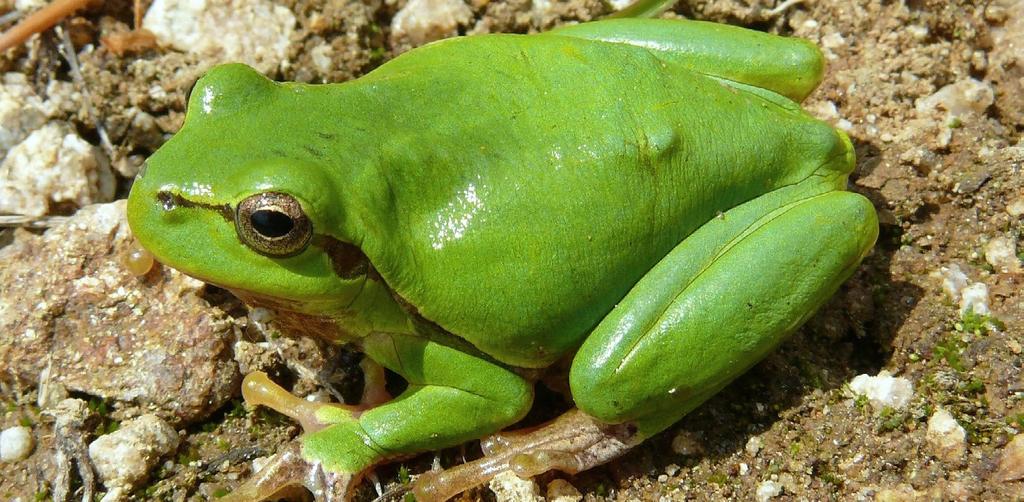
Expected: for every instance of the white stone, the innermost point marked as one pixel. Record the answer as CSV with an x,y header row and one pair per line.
x,y
1016,208
508,487
753,446
422,21
947,438
53,166
954,280
23,111
767,489
883,390
1001,253
959,99
974,298
15,443
254,32
125,456
560,490
27,5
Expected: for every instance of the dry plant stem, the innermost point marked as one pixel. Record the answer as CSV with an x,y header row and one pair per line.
x,y
39,21
68,51
21,221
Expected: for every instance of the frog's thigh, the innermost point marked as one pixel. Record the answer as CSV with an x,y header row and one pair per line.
x,y
791,67
453,396
718,303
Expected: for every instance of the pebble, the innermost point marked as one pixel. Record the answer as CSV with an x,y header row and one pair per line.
x,y
687,443
753,446
767,489
959,99
124,457
15,444
254,32
974,298
1001,253
53,166
422,21
560,490
954,280
1011,462
1016,208
508,487
946,437
883,390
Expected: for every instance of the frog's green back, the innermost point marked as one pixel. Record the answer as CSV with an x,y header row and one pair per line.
x,y
531,181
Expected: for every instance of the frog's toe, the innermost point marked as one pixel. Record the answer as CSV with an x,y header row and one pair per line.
x,y
258,389
287,475
572,443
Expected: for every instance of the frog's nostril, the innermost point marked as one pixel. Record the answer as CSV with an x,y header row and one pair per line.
x,y
167,200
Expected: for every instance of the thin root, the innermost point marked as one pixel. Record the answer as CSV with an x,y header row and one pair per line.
x,y
40,21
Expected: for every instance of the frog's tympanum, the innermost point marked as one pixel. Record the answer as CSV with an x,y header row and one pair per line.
x,y
642,198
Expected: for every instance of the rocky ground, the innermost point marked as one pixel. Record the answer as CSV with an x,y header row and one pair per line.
x,y
930,92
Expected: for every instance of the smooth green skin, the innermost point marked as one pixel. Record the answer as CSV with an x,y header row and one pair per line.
x,y
646,192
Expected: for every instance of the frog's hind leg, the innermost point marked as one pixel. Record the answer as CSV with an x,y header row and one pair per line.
x,y
718,303
791,67
707,312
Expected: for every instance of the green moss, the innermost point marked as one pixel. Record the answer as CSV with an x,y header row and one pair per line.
x,y
718,478
403,475
979,324
891,419
794,448
973,387
220,492
861,402
949,350
1016,421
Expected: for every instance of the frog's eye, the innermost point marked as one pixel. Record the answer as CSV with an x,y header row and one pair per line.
x,y
273,224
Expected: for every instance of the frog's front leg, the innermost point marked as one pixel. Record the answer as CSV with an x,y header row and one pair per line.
x,y
712,308
453,396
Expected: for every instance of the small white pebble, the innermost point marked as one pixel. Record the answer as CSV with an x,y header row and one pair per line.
x,y
686,443
560,490
15,443
744,469
767,490
125,456
947,438
883,390
1001,253
974,298
508,487
1016,208
422,21
954,280
754,445
672,469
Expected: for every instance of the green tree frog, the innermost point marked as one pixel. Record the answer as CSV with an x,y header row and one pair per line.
x,y
642,198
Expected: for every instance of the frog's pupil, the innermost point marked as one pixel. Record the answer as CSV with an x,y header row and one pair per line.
x,y
271,223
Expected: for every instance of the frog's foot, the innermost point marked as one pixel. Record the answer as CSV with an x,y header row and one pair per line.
x,y
287,474
572,443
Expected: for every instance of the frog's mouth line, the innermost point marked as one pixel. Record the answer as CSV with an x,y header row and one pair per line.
x,y
170,200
